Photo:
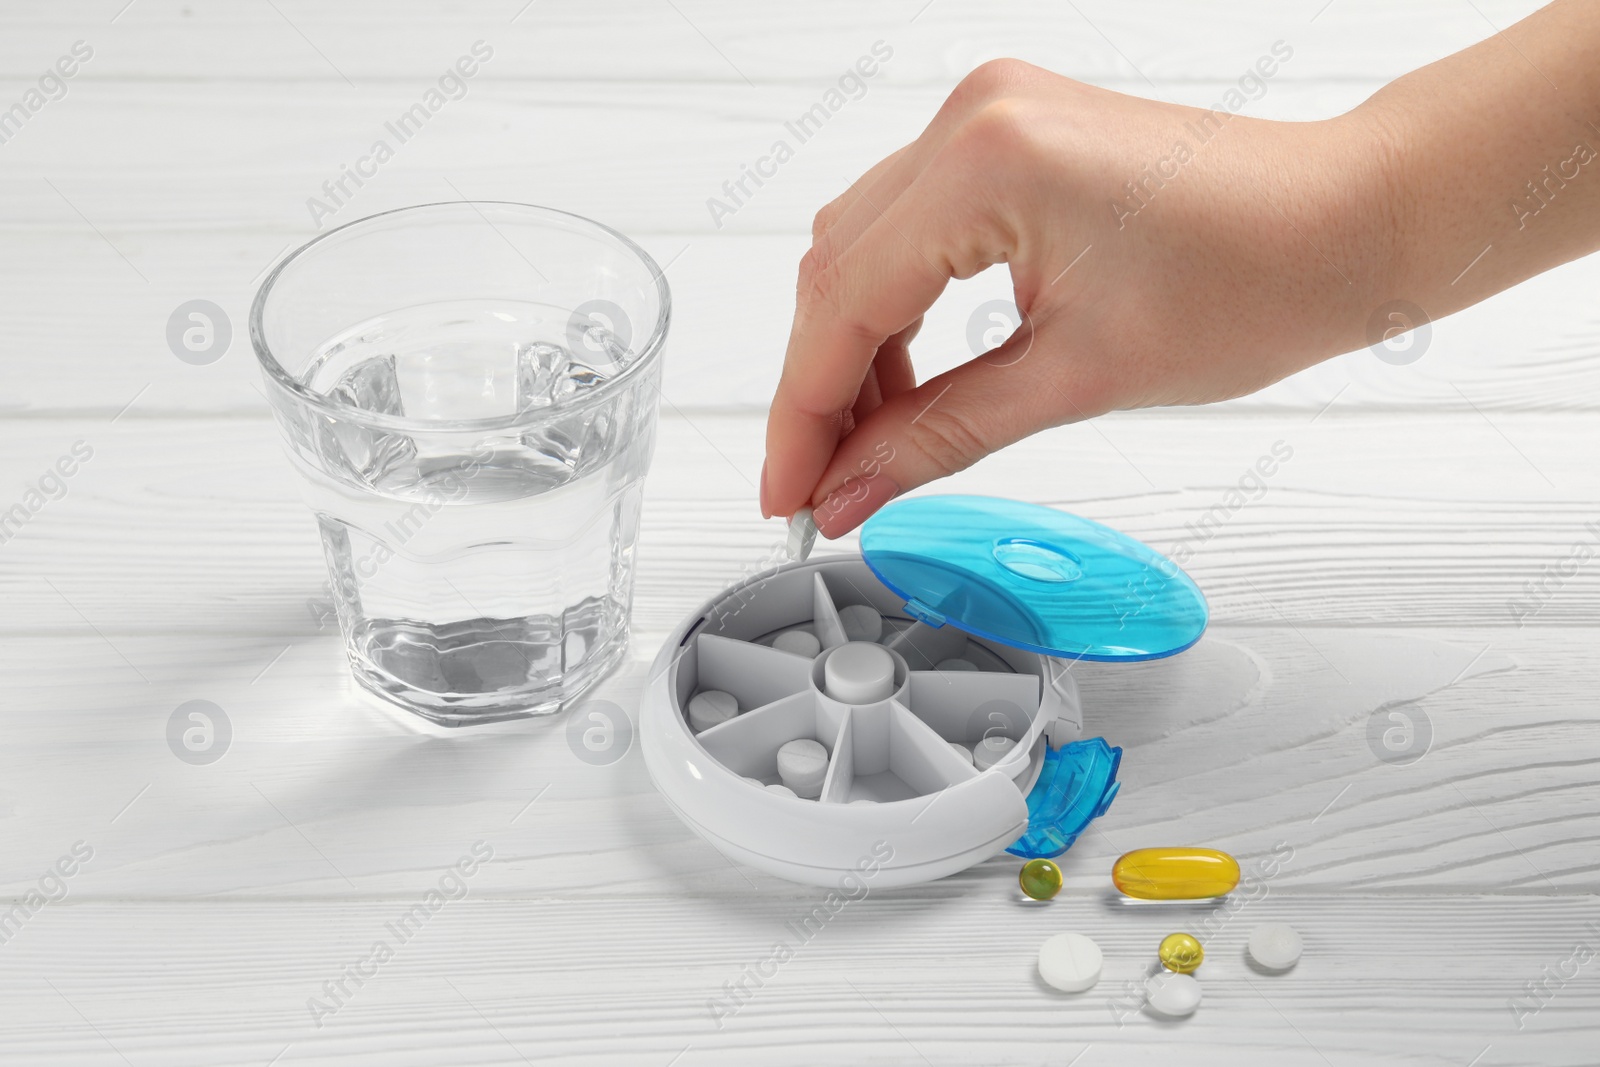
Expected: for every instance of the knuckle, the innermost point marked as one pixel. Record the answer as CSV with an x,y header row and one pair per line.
x,y
824,220
995,78
999,130
947,441
818,284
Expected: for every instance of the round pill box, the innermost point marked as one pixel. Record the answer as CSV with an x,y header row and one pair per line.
x,y
953,632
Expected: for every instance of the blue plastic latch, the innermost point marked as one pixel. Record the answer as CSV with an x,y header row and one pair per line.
x,y
924,614
1076,785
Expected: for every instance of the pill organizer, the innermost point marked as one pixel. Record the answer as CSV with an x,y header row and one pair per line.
x,y
933,669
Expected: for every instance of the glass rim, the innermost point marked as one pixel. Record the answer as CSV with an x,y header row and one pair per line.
x,y
648,353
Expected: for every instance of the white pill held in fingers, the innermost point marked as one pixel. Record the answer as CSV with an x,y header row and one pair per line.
x,y
991,750
803,764
858,673
1275,946
802,535
955,664
781,790
962,750
1070,962
710,707
798,642
861,623
1171,994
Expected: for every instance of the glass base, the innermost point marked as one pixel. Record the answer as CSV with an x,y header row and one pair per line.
x,y
485,665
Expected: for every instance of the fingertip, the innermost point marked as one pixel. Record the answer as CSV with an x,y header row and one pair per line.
x,y
852,504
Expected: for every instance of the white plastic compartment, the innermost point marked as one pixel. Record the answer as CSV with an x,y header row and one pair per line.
x,y
894,785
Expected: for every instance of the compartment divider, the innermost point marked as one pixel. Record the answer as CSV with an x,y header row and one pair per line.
x,y
920,758
748,744
825,615
950,701
841,766
755,674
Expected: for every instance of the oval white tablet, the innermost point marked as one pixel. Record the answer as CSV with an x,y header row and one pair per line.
x,y
1171,994
962,750
1275,946
861,623
955,664
1070,962
991,750
798,642
803,764
710,707
781,790
802,535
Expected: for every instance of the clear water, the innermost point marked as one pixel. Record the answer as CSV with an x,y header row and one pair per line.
x,y
480,575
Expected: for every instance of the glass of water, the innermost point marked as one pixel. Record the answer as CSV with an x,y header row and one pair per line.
x,y
469,393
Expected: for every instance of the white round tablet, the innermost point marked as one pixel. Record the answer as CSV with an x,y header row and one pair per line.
x,y
803,764
710,707
858,673
781,790
991,750
1171,994
1275,946
962,750
861,623
758,783
863,800
799,642
955,664
1070,962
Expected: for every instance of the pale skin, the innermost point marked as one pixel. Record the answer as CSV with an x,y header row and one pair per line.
x,y
1271,249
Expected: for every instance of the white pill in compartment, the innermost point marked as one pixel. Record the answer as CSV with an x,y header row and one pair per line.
x,y
962,750
781,790
803,764
955,664
991,750
710,707
798,642
1070,962
861,623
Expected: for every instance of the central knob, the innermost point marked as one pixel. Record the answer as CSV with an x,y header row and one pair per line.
x,y
859,672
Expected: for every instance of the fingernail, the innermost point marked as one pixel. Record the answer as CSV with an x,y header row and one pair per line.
x,y
766,512
853,503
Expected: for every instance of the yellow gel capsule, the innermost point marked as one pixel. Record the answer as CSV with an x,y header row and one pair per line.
x,y
1175,873
1181,953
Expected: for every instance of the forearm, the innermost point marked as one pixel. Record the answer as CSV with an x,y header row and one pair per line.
x,y
1493,159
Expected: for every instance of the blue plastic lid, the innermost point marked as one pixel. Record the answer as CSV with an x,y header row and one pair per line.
x,y
1033,577
1077,783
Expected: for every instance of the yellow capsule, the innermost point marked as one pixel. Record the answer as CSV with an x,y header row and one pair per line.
x,y
1181,953
1175,873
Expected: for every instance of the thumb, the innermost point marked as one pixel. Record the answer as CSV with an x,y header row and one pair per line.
x,y
946,425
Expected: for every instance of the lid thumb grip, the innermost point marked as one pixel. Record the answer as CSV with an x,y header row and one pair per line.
x,y
1076,785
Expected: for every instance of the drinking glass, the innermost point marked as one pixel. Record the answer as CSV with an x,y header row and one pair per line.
x,y
469,393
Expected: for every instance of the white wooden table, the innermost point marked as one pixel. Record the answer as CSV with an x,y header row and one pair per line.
x,y
1380,570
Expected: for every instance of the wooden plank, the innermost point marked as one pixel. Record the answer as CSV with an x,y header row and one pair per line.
x,y
943,976
1255,738
195,526
729,43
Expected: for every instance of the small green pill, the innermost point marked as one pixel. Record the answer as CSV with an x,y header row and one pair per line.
x,y
1040,879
